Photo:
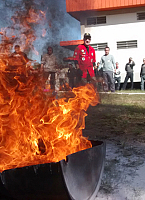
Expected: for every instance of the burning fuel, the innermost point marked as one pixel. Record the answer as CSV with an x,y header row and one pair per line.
x,y
35,127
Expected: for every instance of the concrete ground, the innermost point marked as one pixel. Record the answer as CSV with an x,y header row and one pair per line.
x,y
124,172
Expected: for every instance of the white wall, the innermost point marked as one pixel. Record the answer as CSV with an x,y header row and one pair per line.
x,y
120,27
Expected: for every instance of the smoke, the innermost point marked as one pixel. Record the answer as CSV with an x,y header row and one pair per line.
x,y
57,26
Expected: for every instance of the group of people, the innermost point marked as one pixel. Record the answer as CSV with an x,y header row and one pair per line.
x,y
112,76
59,77
106,73
84,57
103,76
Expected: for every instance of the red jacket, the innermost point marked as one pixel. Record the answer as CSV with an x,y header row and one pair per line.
x,y
85,59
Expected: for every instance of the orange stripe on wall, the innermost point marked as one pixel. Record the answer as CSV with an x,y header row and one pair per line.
x,y
134,2
138,2
100,4
142,1
103,4
118,2
107,3
129,2
82,5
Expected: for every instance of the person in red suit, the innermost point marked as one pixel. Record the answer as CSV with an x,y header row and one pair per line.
x,y
85,59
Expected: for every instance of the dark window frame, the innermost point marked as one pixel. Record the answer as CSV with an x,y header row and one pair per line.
x,y
141,16
99,46
128,44
96,20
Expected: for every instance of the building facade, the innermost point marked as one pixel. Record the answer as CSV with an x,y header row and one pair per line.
x,y
118,24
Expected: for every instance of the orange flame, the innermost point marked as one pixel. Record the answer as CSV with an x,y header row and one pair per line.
x,y
35,127
26,36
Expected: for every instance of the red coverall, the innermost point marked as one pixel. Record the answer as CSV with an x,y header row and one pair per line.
x,y
85,59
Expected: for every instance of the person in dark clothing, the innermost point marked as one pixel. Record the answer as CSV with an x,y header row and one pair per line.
x,y
78,79
18,61
97,72
99,77
129,69
142,74
19,54
71,75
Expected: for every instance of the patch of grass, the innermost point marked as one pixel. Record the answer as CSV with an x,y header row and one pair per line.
x,y
117,115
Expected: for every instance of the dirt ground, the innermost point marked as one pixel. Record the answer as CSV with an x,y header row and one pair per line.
x,y
124,171
123,177
122,128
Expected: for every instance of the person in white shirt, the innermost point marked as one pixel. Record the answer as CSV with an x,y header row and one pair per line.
x,y
117,76
107,63
49,67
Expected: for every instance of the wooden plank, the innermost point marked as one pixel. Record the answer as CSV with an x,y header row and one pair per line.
x,y
72,42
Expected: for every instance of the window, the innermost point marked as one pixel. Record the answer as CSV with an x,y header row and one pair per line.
x,y
141,16
127,44
91,21
99,46
96,20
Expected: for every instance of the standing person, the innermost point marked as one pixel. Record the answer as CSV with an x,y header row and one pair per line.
x,y
62,76
117,76
84,57
79,74
49,67
142,74
99,77
108,64
129,73
71,75
96,70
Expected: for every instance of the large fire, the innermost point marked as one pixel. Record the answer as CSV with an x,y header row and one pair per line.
x,y
35,127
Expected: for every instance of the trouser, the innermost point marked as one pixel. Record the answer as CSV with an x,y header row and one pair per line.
x,y
108,80
128,75
61,81
99,83
92,80
89,79
52,78
71,82
118,80
142,82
